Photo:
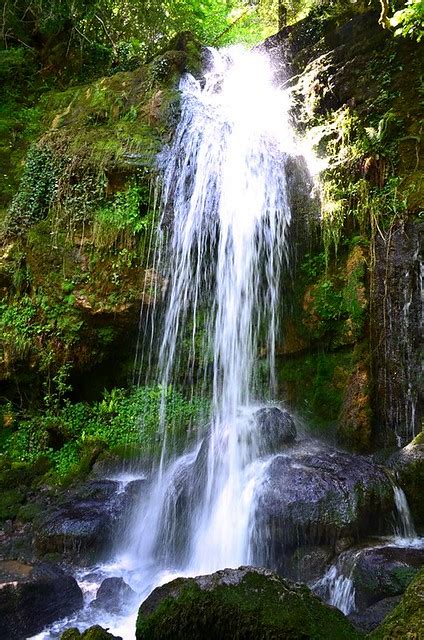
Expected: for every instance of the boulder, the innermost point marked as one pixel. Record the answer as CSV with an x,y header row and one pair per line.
x,y
93,633
113,595
242,603
383,572
83,527
275,429
316,496
370,618
45,595
407,619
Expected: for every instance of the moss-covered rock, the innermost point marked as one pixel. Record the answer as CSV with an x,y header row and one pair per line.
x,y
408,463
407,619
93,633
74,261
355,429
10,503
240,603
357,93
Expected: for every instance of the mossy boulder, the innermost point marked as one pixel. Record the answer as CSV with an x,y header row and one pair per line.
x,y
408,463
407,619
242,603
93,633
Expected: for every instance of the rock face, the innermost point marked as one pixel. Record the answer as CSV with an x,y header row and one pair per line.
x,y
315,496
333,66
275,429
46,595
83,527
396,325
113,595
407,619
408,463
242,603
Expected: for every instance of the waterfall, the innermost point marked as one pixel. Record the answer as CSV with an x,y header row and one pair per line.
x,y
404,525
222,250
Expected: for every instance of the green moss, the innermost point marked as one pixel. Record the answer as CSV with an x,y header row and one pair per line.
x,y
93,633
257,607
407,619
314,383
29,512
71,634
10,501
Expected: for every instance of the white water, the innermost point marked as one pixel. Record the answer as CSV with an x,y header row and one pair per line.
x,y
338,589
222,251
404,526
223,248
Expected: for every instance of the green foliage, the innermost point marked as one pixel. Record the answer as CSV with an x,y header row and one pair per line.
x,y
119,221
409,22
18,325
315,385
37,189
120,420
121,29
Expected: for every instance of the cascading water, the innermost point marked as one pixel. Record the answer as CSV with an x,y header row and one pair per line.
x,y
223,247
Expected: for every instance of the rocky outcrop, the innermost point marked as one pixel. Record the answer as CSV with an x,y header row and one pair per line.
x,y
396,325
243,603
83,526
362,111
275,429
408,464
113,595
45,595
315,496
78,229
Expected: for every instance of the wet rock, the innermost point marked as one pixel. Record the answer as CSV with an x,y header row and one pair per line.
x,y
407,619
308,564
113,595
275,429
40,598
315,495
396,346
369,619
84,525
238,603
383,572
